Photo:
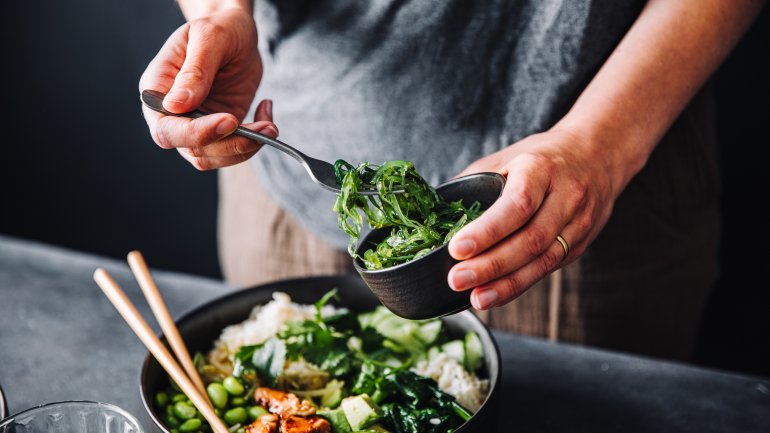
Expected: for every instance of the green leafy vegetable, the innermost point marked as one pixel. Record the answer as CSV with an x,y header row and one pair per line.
x,y
268,360
420,219
411,403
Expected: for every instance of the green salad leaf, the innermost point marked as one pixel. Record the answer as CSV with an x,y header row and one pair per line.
x,y
268,360
420,220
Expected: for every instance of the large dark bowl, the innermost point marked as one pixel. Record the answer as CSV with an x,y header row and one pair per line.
x,y
201,326
419,289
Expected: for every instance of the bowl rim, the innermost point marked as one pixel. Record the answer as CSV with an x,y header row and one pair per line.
x,y
363,269
497,366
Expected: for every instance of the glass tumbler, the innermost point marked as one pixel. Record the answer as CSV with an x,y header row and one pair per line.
x,y
72,417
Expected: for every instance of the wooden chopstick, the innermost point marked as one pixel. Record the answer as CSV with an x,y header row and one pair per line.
x,y
142,330
142,274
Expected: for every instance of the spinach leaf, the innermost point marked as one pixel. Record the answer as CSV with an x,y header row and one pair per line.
x,y
268,360
420,219
410,403
242,364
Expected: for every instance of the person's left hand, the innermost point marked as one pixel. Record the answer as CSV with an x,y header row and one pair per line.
x,y
557,184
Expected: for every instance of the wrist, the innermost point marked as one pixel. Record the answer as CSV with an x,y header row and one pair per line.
x,y
195,9
616,150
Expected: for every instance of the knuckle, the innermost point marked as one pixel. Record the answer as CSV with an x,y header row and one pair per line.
x,y
192,73
509,287
578,191
549,260
534,240
200,164
522,204
494,268
583,225
200,132
160,135
207,30
236,148
538,162
195,151
491,234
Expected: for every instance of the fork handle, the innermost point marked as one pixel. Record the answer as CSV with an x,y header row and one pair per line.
x,y
154,101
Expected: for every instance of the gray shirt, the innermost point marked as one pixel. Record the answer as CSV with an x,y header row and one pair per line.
x,y
440,83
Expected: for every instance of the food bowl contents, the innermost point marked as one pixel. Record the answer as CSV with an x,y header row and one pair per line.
x,y
419,218
320,369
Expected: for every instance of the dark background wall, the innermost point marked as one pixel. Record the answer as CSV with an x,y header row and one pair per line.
x,y
79,168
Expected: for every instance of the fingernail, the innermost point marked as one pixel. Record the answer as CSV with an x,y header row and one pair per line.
x,y
463,279
484,299
269,108
464,248
179,96
226,127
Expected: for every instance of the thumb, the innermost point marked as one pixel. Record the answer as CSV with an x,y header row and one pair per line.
x,y
202,61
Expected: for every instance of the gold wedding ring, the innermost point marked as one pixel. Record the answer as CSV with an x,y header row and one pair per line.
x,y
564,245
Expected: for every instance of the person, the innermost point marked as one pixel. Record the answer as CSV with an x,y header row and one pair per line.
x,y
597,112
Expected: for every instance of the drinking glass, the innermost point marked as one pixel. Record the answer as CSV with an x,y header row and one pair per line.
x,y
72,417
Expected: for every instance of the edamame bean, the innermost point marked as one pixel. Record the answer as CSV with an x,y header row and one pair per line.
x,y
233,385
235,416
178,397
172,421
237,401
184,411
217,394
161,399
241,430
191,425
256,412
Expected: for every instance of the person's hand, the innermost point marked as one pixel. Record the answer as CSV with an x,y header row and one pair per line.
x,y
557,185
213,64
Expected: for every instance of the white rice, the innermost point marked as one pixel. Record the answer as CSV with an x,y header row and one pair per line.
x,y
453,379
264,322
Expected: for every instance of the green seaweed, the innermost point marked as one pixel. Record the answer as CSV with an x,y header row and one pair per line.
x,y
419,218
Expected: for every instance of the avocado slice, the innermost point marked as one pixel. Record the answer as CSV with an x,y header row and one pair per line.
x,y
474,351
360,411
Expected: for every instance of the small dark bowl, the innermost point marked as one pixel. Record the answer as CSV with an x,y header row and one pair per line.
x,y
201,326
419,289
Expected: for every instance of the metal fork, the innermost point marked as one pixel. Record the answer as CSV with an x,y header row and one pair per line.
x,y
321,172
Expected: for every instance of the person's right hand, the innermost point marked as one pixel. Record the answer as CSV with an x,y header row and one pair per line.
x,y
213,64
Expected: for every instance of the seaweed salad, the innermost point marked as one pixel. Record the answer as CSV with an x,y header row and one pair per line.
x,y
419,218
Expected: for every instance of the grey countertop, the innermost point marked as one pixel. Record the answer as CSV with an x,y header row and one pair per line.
x,y
60,339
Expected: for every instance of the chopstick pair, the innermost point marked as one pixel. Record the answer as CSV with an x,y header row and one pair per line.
x,y
190,382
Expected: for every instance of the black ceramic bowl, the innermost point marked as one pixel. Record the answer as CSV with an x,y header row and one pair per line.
x,y
201,326
419,289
